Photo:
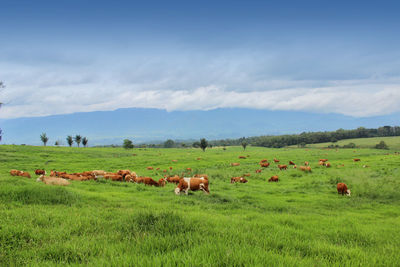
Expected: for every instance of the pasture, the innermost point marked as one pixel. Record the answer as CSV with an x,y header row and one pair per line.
x,y
393,142
300,220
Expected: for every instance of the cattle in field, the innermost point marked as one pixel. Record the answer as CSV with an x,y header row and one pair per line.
x,y
193,184
246,174
321,163
323,160
265,165
52,173
174,160
52,180
198,158
157,169
242,157
189,169
150,168
276,160
14,172
24,174
327,164
164,170
291,163
258,171
306,163
355,160
40,172
161,182
235,164
282,167
114,177
294,166
147,181
238,179
342,189
305,168
123,173
264,160
173,179
170,168
129,178
274,178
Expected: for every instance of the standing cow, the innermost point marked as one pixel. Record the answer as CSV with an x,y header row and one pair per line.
x,y
193,184
342,189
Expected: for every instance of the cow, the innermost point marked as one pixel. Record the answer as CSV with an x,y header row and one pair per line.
x,y
150,168
238,179
174,160
327,164
258,171
264,160
147,181
294,166
113,177
161,182
189,169
282,167
24,174
291,163
40,172
123,173
235,164
246,174
276,160
342,189
355,160
305,168
306,163
14,172
323,160
205,176
274,178
198,158
193,184
173,179
130,178
52,180
170,168
321,163
242,157
265,165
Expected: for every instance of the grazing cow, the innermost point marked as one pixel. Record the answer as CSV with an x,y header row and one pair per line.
x,y
265,165
147,181
164,170
235,164
356,160
194,184
198,158
306,163
40,172
123,173
150,168
274,178
173,179
291,163
246,174
158,169
174,160
205,176
258,171
170,168
276,160
113,177
327,164
323,160
282,167
242,157
14,172
52,180
99,173
161,182
264,160
305,168
130,178
295,166
24,174
342,189
238,179
321,163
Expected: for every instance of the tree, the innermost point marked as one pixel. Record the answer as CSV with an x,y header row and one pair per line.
x,y
244,145
203,144
84,141
44,138
196,144
57,143
70,141
381,145
78,139
127,144
169,143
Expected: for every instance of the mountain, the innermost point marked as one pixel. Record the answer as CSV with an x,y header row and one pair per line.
x,y
151,125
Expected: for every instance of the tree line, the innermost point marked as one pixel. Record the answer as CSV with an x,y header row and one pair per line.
x,y
78,139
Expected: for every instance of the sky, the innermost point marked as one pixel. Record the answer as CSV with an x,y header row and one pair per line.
x,y
60,57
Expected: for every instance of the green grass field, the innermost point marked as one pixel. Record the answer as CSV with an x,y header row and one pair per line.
x,y
393,142
299,221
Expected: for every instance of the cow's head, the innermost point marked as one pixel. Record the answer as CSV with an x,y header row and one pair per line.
x,y
348,192
177,191
40,178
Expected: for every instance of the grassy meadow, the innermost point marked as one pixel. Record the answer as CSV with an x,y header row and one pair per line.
x,y
299,221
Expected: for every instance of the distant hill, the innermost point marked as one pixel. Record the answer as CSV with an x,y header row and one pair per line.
x,y
151,125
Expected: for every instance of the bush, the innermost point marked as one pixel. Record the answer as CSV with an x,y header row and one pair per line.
x,y
381,145
350,145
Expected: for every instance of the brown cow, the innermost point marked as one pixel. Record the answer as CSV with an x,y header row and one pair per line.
x,y
258,171
282,167
274,178
327,164
321,163
174,160
113,177
24,174
246,174
150,168
130,178
305,168
323,160
306,163
235,164
147,181
291,163
198,158
238,179
276,160
123,173
173,179
14,172
265,165
52,180
356,160
342,189
242,157
194,184
161,182
264,160
40,172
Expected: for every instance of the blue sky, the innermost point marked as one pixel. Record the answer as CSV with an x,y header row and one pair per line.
x,y
61,57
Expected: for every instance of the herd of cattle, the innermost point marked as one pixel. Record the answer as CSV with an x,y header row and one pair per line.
x,y
184,184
